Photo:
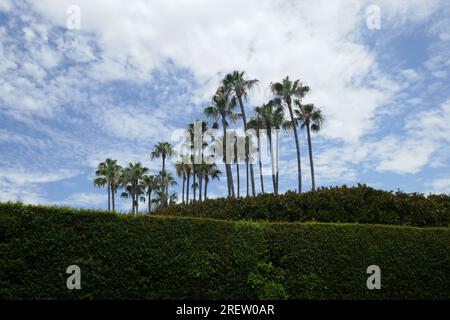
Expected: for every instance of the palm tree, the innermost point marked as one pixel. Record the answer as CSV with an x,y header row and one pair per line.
x,y
238,86
272,115
222,109
167,180
287,91
257,124
108,173
163,198
162,150
132,182
212,173
311,118
150,183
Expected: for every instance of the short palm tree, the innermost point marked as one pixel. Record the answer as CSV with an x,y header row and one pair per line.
x,y
162,150
222,109
167,181
239,87
151,184
132,182
287,91
108,174
311,118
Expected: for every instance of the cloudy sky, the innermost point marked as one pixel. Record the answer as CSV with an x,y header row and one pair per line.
x,y
135,71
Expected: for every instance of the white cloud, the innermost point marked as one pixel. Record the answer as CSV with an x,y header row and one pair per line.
x,y
90,200
269,40
440,185
5,5
18,184
132,124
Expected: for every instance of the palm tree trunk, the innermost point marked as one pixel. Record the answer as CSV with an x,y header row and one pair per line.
x,y
164,204
188,187
113,200
244,119
311,162
297,146
246,175
238,181
260,165
272,160
227,165
252,179
277,158
149,201
184,184
206,187
200,185
194,174
109,196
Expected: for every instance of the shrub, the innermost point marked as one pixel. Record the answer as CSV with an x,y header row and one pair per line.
x,y
359,204
190,258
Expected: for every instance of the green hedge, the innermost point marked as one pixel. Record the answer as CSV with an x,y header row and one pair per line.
x,y
176,258
359,204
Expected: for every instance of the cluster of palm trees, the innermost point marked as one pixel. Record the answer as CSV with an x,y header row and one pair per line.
x,y
285,111
270,117
137,184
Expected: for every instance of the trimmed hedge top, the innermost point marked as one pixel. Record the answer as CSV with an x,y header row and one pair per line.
x,y
360,204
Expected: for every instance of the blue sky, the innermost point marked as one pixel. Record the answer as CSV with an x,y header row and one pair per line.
x,y
136,71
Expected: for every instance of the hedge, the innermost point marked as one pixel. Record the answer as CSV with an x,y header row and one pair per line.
x,y
125,257
360,204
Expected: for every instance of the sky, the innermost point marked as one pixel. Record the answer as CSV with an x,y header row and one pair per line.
x,y
124,75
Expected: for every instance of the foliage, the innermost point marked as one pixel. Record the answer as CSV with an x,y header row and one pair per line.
x,y
360,204
150,257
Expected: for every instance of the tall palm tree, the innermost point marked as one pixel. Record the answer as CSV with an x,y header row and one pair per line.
x,y
212,173
222,109
239,87
257,124
151,184
287,91
108,174
311,118
162,150
132,182
272,115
